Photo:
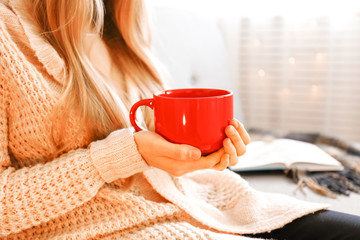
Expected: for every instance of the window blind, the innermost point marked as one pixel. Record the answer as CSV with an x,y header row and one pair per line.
x,y
301,77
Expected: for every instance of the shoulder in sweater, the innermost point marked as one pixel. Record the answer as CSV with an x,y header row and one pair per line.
x,y
7,16
12,27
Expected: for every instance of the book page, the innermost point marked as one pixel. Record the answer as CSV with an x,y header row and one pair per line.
x,y
286,154
259,155
305,156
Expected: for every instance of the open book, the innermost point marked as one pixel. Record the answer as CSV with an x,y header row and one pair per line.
x,y
285,154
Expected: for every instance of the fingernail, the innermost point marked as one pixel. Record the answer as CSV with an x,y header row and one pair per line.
x,y
235,123
195,154
232,130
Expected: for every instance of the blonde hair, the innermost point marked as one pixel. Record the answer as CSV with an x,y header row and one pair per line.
x,y
124,26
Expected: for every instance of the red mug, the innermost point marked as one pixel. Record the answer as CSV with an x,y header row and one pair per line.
x,y
194,116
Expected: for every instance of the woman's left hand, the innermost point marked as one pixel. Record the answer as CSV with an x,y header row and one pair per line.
x,y
233,145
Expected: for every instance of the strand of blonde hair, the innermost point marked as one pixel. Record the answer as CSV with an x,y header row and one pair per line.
x,y
124,27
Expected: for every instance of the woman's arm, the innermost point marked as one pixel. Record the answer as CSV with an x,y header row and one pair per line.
x,y
30,196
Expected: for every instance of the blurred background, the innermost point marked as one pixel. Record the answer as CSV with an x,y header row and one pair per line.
x,y
293,65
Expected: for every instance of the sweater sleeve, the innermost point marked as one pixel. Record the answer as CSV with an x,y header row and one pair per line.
x,y
30,196
33,195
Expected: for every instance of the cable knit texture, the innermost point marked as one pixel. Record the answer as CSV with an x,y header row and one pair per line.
x,y
82,194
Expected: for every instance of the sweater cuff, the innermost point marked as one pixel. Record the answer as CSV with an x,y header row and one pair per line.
x,y
117,156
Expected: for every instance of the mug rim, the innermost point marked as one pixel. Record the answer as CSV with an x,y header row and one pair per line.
x,y
162,93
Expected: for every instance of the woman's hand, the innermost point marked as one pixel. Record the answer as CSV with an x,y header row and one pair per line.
x,y
178,159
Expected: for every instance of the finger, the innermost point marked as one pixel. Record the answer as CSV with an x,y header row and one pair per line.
x,y
179,151
180,167
223,163
209,161
205,162
236,140
170,165
241,130
230,149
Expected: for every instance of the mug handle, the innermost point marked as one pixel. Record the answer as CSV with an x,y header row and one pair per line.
x,y
134,122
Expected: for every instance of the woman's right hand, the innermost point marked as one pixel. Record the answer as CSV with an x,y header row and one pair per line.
x,y
176,159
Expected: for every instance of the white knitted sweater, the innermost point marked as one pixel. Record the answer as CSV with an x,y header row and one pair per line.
x,y
80,194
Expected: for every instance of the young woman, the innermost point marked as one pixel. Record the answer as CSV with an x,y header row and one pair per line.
x,y
70,166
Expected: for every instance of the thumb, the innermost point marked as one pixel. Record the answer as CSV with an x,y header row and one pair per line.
x,y
180,151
